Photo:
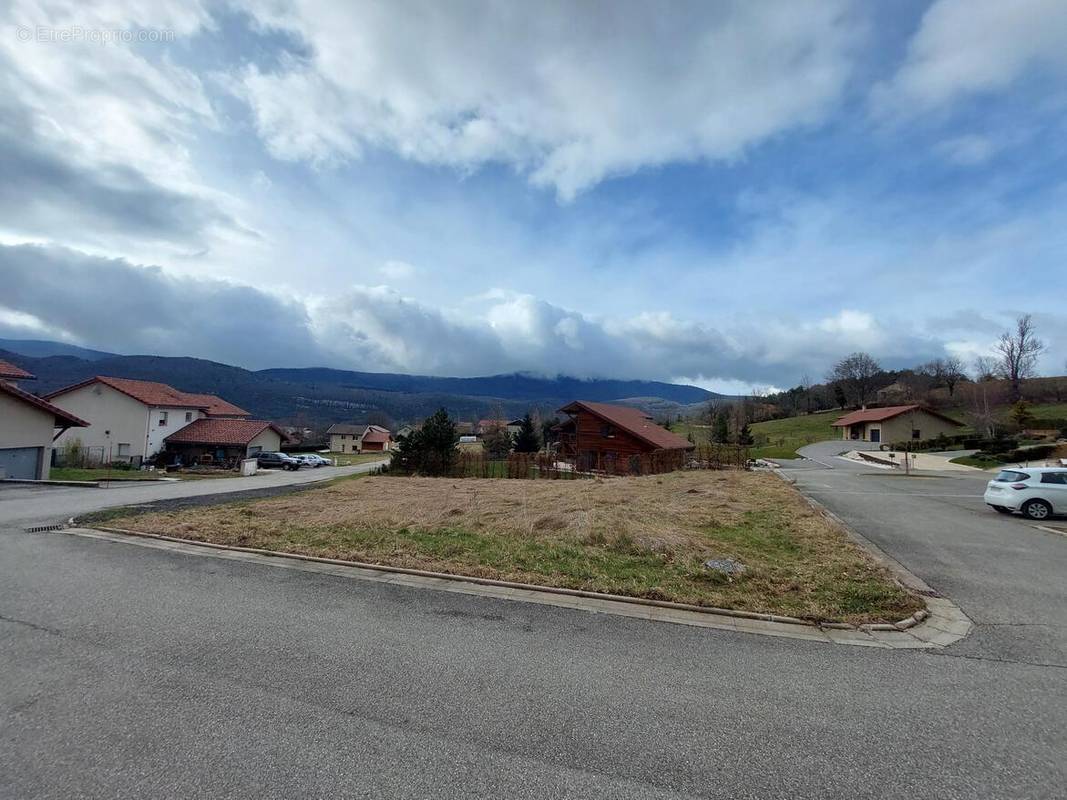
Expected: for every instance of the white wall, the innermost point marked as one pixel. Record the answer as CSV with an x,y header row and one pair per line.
x,y
268,441
105,410
24,425
176,420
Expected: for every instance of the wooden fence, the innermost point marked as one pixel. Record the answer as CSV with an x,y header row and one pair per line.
x,y
548,466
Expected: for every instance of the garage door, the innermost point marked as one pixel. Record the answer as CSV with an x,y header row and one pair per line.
x,y
20,462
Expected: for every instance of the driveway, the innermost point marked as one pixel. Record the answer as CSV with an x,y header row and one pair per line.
x,y
139,672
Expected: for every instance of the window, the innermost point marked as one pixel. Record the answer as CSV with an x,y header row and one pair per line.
x,y
162,419
188,416
123,450
607,431
916,433
1054,477
1011,476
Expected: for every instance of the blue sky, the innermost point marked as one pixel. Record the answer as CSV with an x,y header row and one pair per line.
x,y
729,193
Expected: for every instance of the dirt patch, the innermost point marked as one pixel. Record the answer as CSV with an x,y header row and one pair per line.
x,y
646,536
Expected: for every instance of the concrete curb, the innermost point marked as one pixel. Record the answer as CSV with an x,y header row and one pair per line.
x,y
940,613
885,636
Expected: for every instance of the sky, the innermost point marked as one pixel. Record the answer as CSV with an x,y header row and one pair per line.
x,y
730,194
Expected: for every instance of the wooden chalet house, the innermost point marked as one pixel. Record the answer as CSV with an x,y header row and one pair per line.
x,y
605,437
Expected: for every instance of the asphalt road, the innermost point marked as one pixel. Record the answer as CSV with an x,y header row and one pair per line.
x,y
136,672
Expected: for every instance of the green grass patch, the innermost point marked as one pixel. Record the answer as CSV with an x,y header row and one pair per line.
x,y
93,474
353,459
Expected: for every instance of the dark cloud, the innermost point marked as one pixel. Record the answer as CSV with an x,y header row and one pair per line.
x,y
114,305
44,192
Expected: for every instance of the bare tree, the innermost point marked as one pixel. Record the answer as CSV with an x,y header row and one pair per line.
x,y
945,372
980,411
984,368
1017,353
857,374
806,384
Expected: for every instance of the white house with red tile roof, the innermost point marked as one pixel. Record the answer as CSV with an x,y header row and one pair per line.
x,y
28,426
130,418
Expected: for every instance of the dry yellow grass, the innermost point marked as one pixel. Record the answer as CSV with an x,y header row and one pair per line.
x,y
645,536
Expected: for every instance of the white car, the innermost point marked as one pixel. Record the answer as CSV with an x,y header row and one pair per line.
x,y
313,460
1038,492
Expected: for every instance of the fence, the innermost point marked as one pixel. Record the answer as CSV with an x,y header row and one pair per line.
x,y
548,466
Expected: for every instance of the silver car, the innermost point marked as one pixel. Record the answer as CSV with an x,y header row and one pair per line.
x,y
1037,492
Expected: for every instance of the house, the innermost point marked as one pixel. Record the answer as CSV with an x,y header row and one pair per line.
x,y
405,430
896,424
28,427
345,438
130,418
483,426
221,440
601,434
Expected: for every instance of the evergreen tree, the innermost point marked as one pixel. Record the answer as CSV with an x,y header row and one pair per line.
x,y
744,436
526,440
405,456
436,445
720,429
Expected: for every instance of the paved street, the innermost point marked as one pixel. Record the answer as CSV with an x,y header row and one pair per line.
x,y
24,504
137,672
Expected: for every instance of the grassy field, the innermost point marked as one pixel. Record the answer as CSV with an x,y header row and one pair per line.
x,y
644,537
780,438
351,459
776,438
1049,410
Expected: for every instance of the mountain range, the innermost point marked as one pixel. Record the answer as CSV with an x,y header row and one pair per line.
x,y
319,396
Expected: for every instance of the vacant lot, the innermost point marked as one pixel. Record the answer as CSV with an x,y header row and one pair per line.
x,y
645,537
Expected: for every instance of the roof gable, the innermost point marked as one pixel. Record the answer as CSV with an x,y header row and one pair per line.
x,y
62,418
221,431
888,412
153,393
634,421
9,371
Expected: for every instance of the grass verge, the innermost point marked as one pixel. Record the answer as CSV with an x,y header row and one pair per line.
x,y
89,474
352,459
643,537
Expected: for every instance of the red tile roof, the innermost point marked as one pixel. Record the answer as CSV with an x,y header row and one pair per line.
x,y
222,432
887,412
152,393
11,372
634,421
217,407
62,418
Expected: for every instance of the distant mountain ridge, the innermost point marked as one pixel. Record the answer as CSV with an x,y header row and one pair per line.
x,y
42,348
319,396
514,386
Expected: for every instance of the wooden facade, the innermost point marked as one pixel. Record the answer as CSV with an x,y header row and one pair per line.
x,y
606,438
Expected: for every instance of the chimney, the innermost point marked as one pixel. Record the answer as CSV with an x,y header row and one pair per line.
x,y
863,407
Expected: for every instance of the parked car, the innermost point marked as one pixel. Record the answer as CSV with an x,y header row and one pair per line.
x,y
312,459
277,461
1037,492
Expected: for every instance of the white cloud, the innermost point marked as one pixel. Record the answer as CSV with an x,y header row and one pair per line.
x,y
965,47
397,270
970,150
566,93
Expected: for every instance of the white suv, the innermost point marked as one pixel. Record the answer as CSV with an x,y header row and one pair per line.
x,y
1038,492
